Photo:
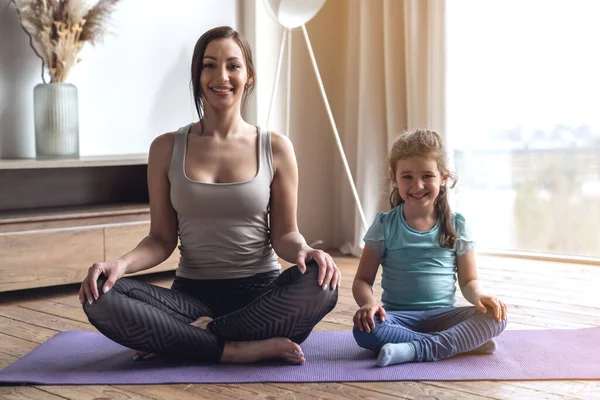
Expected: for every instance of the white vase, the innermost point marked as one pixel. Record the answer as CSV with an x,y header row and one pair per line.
x,y
56,113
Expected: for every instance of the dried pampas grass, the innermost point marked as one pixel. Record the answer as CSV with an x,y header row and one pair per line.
x,y
58,29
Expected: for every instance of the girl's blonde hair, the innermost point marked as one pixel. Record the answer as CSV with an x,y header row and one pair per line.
x,y
422,142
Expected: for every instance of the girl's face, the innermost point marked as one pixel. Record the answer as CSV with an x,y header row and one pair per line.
x,y
224,74
418,180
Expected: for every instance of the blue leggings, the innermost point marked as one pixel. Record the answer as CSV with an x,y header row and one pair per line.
x,y
436,334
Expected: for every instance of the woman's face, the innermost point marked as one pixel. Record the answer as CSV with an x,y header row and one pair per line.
x,y
224,74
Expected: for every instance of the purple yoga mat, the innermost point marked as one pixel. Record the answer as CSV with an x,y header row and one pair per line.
x,y
81,357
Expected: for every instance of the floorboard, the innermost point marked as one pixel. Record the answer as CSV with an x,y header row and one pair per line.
x,y
539,295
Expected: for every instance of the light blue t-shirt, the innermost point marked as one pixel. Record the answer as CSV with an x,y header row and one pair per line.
x,y
417,273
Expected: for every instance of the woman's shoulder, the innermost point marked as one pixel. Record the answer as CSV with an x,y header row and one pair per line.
x,y
282,150
280,143
166,140
163,142
161,148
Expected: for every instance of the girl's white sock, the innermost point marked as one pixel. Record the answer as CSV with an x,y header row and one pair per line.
x,y
396,353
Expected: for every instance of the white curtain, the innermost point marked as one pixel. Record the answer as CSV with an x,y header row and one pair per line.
x,y
394,82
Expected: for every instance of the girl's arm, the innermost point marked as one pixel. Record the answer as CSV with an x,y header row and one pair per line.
x,y
472,288
362,289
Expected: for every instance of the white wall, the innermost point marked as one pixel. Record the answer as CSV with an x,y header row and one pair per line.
x,y
132,87
135,86
264,34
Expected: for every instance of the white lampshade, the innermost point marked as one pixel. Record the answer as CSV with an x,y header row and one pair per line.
x,y
293,13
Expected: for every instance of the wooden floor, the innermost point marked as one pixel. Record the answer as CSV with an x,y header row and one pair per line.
x,y
540,295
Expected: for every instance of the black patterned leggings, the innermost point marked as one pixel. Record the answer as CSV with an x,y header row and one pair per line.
x,y
153,319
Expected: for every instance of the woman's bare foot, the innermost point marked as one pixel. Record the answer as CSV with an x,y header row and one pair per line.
x,y
260,350
202,322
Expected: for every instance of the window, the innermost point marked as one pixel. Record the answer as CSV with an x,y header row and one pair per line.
x,y
523,122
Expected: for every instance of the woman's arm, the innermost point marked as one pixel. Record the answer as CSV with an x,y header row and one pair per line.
x,y
472,288
286,239
285,236
162,239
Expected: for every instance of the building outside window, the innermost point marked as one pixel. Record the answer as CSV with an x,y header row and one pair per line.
x,y
523,122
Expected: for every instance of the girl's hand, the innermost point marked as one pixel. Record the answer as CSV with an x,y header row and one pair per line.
x,y
497,306
113,270
363,319
329,274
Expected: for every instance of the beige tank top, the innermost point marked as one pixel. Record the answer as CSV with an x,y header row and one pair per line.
x,y
223,227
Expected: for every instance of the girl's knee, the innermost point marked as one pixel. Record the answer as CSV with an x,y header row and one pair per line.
x,y
496,326
368,340
502,325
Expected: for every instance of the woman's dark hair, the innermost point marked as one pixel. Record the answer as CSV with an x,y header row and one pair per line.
x,y
221,32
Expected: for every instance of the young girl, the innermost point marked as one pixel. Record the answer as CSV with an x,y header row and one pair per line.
x,y
422,246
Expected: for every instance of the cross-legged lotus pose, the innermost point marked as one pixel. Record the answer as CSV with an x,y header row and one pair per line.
x,y
422,246
227,190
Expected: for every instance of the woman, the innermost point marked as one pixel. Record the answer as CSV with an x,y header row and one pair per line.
x,y
228,192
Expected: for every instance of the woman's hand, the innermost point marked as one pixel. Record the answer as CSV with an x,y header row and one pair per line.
x,y
329,274
364,317
497,306
113,270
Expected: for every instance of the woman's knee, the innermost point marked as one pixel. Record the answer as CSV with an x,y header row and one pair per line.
x,y
312,271
99,284
324,301
293,274
305,288
310,278
103,299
